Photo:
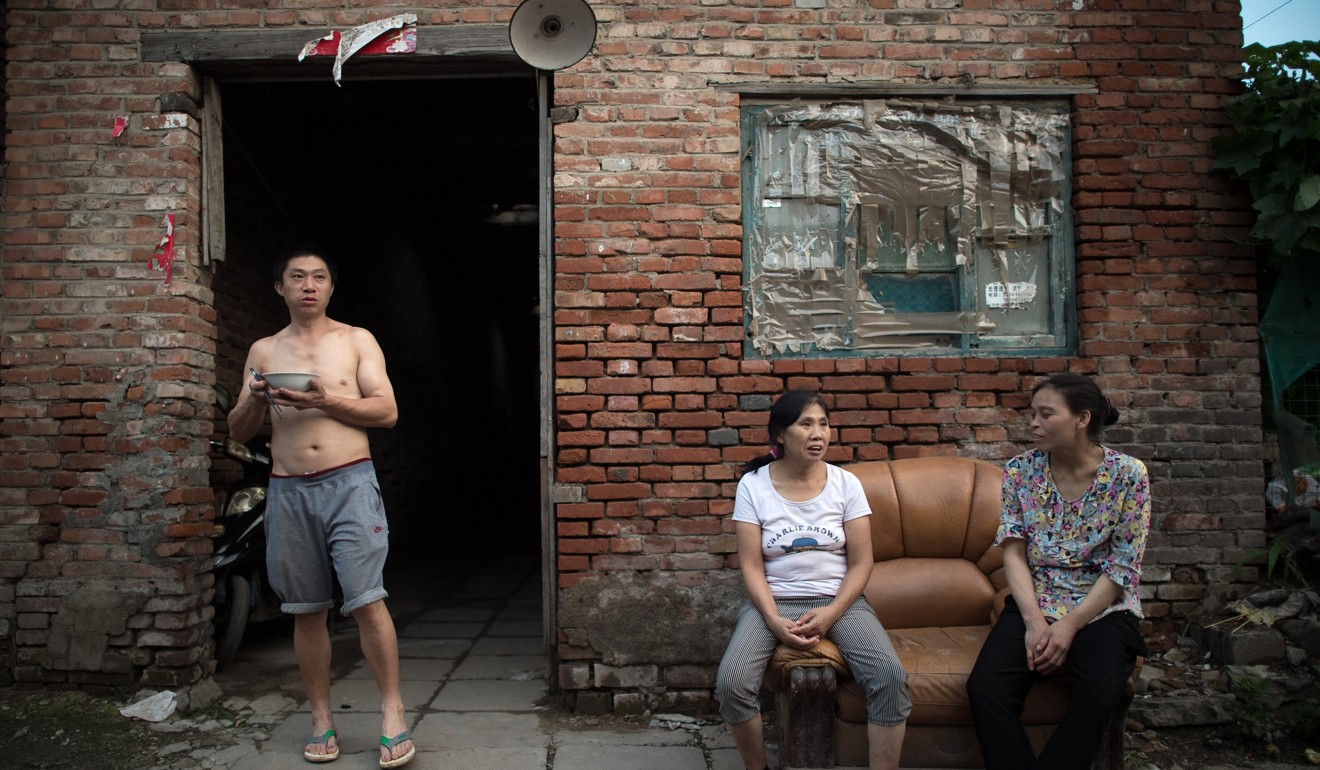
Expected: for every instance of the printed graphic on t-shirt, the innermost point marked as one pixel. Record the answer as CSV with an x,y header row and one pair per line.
x,y
801,539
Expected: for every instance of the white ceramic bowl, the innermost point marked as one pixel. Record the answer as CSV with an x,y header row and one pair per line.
x,y
290,380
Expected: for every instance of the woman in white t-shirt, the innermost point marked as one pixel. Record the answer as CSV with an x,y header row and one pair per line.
x,y
804,548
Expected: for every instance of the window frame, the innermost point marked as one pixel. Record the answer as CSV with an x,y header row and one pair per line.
x,y
1059,337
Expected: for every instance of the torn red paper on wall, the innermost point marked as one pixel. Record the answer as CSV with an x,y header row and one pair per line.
x,y
163,257
121,123
392,35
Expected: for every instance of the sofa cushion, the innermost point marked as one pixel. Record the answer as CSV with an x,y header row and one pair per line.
x,y
937,661
917,593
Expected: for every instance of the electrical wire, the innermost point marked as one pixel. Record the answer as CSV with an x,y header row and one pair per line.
x,y
1285,2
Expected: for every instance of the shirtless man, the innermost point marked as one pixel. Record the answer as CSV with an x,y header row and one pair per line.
x,y
323,504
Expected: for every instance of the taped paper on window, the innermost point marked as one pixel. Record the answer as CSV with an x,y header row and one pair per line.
x,y
900,223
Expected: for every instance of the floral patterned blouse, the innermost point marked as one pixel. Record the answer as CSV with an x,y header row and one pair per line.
x,y
1070,544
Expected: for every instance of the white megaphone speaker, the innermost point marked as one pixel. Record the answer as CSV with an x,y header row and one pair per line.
x,y
552,34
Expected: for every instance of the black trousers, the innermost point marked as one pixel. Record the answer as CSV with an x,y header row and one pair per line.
x,y
1099,662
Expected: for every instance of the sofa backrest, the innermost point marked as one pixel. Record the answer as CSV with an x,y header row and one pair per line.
x,y
933,522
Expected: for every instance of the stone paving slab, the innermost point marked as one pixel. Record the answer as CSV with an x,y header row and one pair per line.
x,y
479,590
433,648
508,645
530,612
271,703
489,695
233,755
418,630
481,730
456,615
355,695
606,737
290,758
579,757
480,759
725,759
516,628
716,736
432,670
514,667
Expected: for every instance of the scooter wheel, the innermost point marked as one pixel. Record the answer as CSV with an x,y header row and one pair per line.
x,y
229,634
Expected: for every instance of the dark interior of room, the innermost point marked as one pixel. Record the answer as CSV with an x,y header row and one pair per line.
x,y
400,182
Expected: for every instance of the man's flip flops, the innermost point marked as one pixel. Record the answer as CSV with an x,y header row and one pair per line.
x,y
324,740
390,743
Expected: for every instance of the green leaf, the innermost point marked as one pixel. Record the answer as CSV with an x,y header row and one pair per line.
x,y
1283,233
1274,204
1308,193
1241,161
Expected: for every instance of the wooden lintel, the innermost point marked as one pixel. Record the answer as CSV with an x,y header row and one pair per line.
x,y
489,42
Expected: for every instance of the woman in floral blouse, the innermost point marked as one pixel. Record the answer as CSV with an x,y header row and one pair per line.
x,y
1073,528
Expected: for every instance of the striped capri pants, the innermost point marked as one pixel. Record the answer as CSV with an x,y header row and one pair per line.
x,y
860,637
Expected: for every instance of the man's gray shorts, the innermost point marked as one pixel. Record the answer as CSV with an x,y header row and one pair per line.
x,y
334,517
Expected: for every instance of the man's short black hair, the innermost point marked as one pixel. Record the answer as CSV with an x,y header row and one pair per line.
x,y
305,250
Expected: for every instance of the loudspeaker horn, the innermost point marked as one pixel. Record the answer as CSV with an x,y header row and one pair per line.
x,y
552,34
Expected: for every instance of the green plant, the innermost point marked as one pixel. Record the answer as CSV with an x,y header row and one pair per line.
x,y
1254,706
1275,146
1280,557
214,710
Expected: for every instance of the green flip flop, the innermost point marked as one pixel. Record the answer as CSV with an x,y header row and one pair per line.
x,y
390,743
323,740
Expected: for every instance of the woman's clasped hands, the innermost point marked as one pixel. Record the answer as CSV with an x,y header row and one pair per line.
x,y
807,630
1048,645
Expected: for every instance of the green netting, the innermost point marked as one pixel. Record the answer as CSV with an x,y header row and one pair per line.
x,y
1290,329
1290,337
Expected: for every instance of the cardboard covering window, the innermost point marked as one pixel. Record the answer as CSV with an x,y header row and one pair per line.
x,y
885,225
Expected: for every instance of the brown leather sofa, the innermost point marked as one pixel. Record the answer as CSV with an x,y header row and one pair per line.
x,y
936,585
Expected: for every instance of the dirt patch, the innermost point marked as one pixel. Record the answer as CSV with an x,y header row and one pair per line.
x,y
1189,748
49,730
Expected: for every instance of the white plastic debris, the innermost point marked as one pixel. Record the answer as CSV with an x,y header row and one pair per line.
x,y
156,708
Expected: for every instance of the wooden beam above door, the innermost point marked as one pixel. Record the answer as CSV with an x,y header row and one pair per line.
x,y
466,49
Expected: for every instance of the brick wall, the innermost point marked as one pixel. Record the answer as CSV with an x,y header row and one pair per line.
x,y
105,379
105,373
656,406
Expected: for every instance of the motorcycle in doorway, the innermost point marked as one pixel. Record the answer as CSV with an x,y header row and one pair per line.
x,y
242,592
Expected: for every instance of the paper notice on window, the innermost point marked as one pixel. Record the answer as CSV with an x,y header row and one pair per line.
x,y
1013,296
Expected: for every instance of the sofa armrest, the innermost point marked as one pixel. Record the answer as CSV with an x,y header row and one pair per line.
x,y
785,659
806,717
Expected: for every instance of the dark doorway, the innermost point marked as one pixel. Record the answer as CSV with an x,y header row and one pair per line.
x,y
424,192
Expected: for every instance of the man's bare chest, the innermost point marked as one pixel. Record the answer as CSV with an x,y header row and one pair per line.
x,y
333,360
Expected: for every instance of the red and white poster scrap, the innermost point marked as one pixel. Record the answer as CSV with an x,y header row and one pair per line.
x,y
392,35
163,257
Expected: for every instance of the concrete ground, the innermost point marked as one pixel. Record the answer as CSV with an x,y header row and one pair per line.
x,y
475,682
476,685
